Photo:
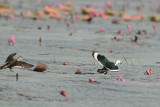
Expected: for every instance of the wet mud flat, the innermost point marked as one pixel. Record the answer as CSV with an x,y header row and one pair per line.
x,y
74,45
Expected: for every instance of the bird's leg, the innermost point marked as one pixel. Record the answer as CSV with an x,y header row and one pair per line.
x,y
99,71
106,70
103,70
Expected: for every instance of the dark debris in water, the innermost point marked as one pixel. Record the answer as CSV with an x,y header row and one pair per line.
x,y
30,96
95,82
16,76
79,72
157,62
84,81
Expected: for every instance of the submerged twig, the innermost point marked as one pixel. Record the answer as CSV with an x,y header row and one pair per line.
x,y
17,77
52,58
131,60
125,59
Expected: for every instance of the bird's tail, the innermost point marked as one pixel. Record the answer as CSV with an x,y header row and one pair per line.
x,y
3,67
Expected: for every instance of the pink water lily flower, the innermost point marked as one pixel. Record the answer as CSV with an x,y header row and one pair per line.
x,y
92,80
129,28
119,32
148,72
121,79
132,39
116,37
12,17
108,4
102,30
11,39
154,27
58,5
63,93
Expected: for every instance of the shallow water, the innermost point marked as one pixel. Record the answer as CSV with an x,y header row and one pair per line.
x,y
42,89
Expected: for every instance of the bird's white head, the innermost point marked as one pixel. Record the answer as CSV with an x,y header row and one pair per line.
x,y
19,58
95,54
117,62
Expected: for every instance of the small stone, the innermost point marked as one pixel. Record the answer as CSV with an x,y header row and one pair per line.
x,y
78,71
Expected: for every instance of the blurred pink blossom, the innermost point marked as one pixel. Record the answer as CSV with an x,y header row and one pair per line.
x,y
121,79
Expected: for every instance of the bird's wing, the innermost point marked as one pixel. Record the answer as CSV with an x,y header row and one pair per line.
x,y
103,60
22,64
10,57
4,66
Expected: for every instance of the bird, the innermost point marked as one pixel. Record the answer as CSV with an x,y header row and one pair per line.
x,y
10,57
11,63
135,39
107,65
89,20
141,32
